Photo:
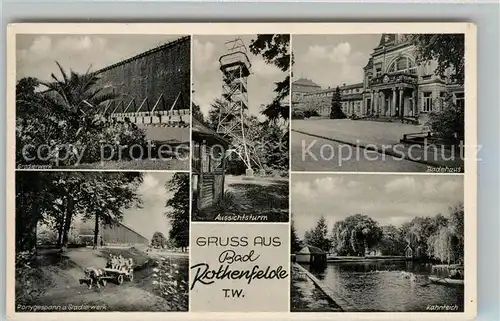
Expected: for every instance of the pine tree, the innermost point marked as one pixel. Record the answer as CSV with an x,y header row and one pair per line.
x,y
294,239
336,111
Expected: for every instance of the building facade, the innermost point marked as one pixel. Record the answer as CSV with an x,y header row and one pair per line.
x,y
310,255
151,87
116,234
394,85
302,87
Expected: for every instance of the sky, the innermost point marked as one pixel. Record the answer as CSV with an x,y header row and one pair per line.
x,y
36,54
151,217
207,77
388,199
332,60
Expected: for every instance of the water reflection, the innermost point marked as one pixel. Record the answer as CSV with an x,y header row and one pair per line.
x,y
384,286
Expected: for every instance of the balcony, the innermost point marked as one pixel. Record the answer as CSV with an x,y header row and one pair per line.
x,y
397,78
235,61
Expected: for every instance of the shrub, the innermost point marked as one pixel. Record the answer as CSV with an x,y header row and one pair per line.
x,y
310,113
449,122
29,279
169,284
297,114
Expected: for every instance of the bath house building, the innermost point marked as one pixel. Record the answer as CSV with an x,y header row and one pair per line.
x,y
310,255
394,85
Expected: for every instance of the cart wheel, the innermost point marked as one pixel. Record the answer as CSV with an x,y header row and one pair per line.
x,y
131,276
119,279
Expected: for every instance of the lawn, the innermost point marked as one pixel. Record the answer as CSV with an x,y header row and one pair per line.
x,y
264,200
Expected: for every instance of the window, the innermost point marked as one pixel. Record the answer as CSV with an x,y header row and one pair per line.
x,y
427,103
403,64
460,100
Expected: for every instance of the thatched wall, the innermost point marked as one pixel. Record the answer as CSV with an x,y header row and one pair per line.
x,y
162,70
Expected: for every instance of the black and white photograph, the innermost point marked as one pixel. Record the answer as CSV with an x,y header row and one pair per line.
x,y
103,101
240,132
378,103
377,243
101,241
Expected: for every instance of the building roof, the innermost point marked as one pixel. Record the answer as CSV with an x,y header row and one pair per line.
x,y
146,53
202,132
87,228
305,82
320,91
369,64
313,249
357,85
308,84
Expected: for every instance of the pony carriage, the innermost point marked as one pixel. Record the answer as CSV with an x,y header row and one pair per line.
x,y
118,275
117,271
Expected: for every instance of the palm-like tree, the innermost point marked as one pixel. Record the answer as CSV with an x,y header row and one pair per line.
x,y
76,94
77,99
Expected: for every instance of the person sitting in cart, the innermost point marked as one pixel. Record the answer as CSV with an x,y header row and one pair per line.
x,y
129,264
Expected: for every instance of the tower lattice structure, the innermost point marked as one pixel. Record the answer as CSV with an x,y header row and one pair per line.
x,y
235,67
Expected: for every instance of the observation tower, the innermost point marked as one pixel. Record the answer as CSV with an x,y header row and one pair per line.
x,y
235,67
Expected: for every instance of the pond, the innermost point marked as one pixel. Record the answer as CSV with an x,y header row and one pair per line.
x,y
382,286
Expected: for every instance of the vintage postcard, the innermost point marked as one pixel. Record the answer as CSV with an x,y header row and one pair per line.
x,y
241,171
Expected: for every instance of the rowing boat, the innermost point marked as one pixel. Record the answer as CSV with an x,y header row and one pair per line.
x,y
438,280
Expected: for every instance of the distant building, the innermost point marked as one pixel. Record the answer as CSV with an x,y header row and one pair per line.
x,y
117,234
412,253
302,87
311,255
394,85
373,252
408,252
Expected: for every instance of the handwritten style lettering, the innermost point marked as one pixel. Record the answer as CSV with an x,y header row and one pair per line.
x,y
204,275
230,256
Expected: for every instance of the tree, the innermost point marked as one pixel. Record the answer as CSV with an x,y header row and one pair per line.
x,y
341,238
105,195
355,235
449,121
295,244
197,113
32,202
158,240
178,209
27,99
318,236
275,50
390,243
218,111
456,224
69,118
336,110
447,49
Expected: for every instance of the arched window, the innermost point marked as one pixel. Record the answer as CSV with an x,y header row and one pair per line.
x,y
403,64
